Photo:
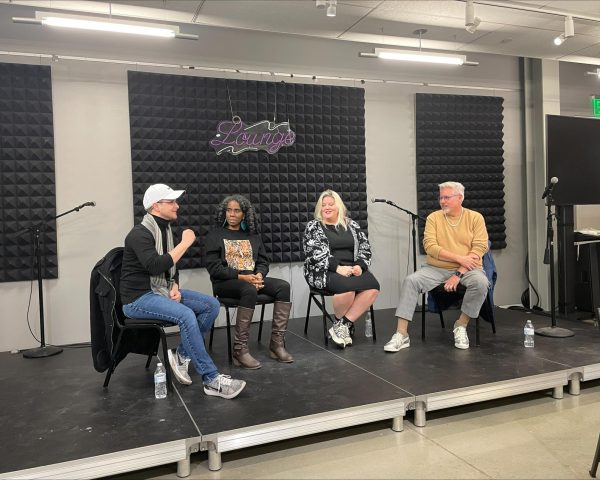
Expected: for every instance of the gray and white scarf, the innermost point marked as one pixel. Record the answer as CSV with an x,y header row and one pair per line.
x,y
159,282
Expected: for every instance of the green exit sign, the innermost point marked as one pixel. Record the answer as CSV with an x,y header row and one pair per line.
x,y
596,106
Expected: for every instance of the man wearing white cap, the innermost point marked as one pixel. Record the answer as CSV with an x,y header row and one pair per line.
x,y
150,289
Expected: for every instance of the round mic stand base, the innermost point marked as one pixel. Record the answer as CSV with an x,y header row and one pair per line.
x,y
42,352
555,332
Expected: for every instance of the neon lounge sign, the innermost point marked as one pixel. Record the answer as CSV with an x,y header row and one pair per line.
x,y
236,137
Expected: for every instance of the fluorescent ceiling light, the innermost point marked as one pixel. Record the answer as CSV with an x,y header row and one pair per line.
x,y
105,25
419,56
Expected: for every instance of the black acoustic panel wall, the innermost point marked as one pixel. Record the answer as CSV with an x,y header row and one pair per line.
x,y
459,138
173,118
27,187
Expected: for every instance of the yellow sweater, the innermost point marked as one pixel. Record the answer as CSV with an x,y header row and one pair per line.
x,y
469,236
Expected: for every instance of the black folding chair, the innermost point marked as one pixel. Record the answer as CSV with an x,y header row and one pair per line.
x,y
318,297
228,303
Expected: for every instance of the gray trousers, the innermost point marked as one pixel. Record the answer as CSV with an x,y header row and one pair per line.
x,y
428,277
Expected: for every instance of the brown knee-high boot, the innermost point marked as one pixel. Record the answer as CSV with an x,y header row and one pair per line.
x,y
281,315
241,355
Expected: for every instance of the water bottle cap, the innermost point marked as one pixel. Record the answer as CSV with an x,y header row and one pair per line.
x,y
159,364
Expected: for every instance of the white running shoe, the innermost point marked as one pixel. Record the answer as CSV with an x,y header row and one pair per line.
x,y
461,339
397,343
179,367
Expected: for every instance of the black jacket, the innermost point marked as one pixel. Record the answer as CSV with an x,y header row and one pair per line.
x,y
106,312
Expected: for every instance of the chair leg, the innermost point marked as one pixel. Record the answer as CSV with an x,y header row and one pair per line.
x,y
260,325
373,324
228,334
310,297
442,319
595,461
324,321
148,361
212,334
112,365
423,317
477,331
163,340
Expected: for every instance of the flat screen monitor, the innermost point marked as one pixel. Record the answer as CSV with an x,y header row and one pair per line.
x,y
573,156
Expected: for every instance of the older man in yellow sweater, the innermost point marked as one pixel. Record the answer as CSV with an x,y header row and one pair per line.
x,y
455,241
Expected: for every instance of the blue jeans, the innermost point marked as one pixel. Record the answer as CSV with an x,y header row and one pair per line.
x,y
195,315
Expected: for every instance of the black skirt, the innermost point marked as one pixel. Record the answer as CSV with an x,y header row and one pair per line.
x,y
337,283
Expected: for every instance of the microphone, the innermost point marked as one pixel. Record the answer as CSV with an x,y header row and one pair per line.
x,y
378,200
86,204
549,187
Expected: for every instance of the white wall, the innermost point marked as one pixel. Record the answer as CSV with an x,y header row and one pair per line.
x,y
93,163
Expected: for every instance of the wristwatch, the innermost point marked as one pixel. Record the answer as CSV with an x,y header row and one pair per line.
x,y
458,274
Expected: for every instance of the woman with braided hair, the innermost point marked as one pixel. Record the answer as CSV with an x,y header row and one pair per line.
x,y
238,266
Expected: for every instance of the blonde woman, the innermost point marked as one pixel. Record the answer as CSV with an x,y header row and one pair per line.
x,y
338,256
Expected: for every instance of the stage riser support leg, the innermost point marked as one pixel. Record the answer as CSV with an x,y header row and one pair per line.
x,y
574,384
557,392
214,458
398,424
420,417
184,467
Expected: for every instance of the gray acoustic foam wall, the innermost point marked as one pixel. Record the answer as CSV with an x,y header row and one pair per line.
x,y
27,187
173,118
459,138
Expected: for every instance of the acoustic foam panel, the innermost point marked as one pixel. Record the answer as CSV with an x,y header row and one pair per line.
x,y
459,138
27,187
173,118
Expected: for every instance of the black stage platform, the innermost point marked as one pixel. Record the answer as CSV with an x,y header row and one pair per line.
x,y
58,421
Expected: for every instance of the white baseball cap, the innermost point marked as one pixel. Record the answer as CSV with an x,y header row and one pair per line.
x,y
160,191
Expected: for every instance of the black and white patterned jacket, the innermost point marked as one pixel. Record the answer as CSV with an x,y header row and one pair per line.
x,y
318,253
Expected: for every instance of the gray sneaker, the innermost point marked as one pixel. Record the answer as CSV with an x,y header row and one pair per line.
x,y
179,366
397,343
224,386
339,333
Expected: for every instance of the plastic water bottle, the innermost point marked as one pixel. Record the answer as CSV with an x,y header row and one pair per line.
x,y
160,381
529,333
368,326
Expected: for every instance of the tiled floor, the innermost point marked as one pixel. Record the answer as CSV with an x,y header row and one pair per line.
x,y
531,436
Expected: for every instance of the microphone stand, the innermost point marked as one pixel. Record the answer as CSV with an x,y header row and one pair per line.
x,y
413,217
43,350
552,331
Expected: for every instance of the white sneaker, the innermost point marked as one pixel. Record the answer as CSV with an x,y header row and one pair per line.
x,y
339,333
397,343
179,367
461,340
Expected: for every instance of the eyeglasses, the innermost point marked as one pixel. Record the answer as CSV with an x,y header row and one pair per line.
x,y
445,198
168,202
235,211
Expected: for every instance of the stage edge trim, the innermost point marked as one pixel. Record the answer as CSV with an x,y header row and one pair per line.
x,y
492,391
110,463
591,372
307,425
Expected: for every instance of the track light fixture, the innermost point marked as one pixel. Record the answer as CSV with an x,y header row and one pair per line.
x,y
321,3
332,8
569,31
471,21
104,25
